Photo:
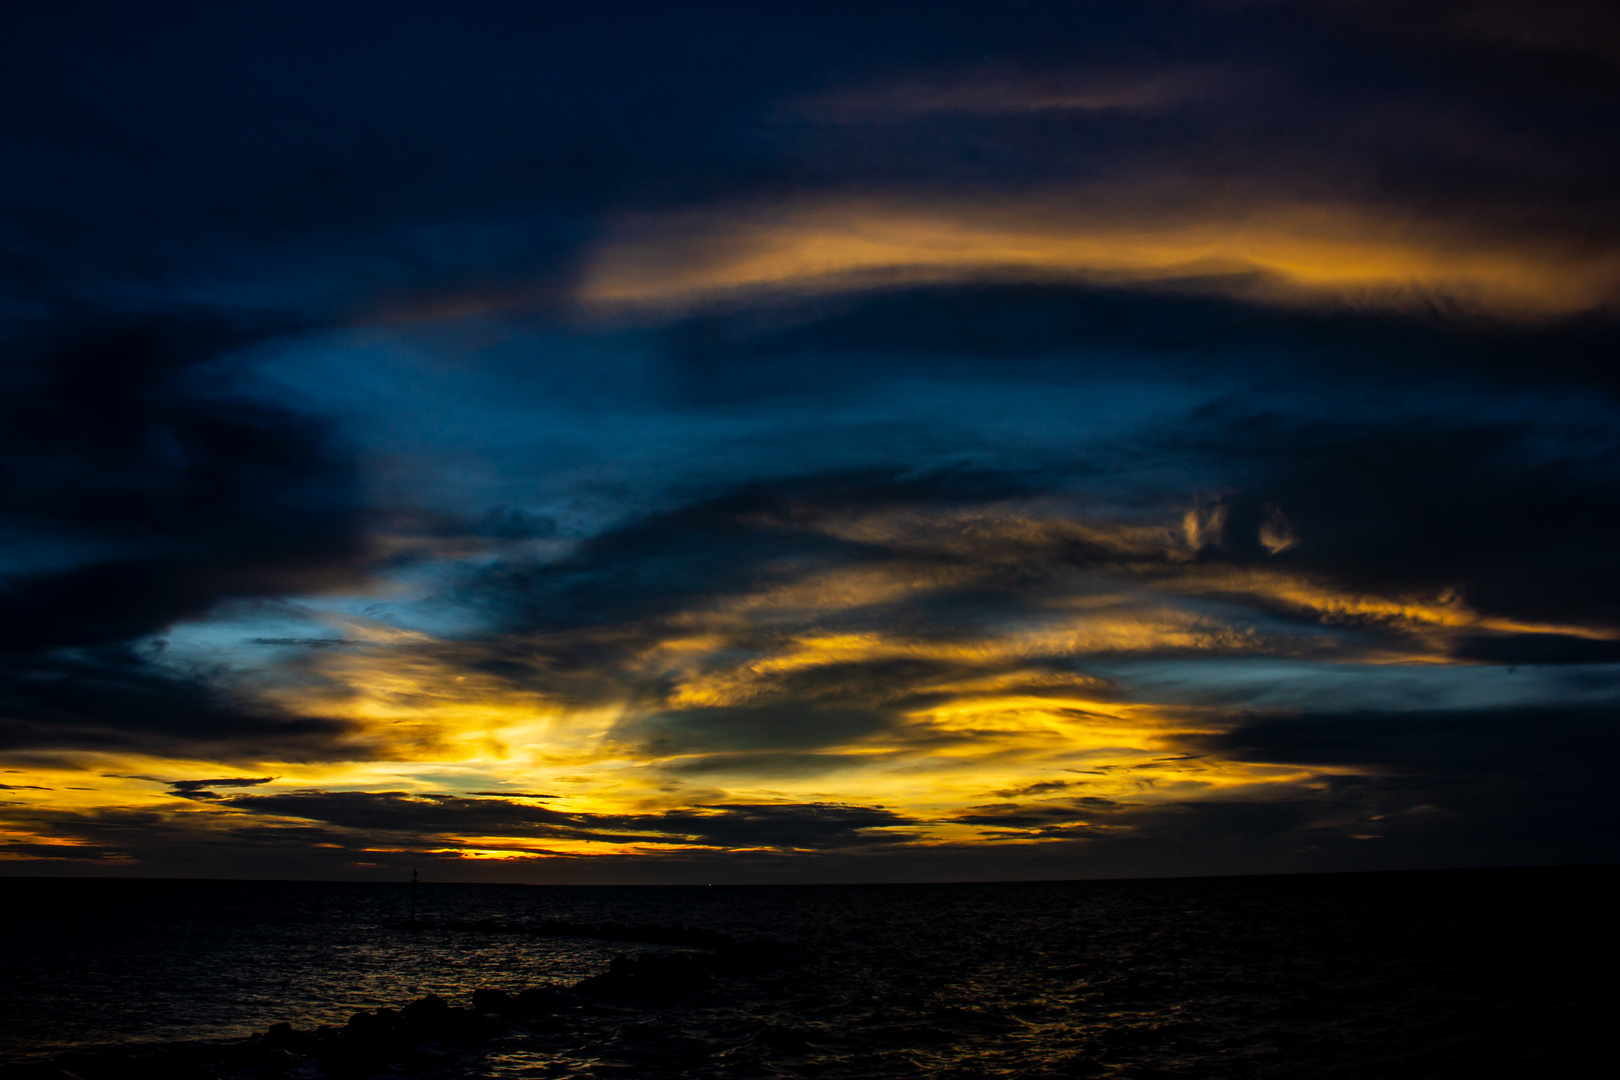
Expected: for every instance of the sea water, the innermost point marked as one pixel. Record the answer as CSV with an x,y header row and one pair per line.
x,y
1459,973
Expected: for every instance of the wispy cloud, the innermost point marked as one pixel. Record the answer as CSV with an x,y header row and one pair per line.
x,y
1271,251
990,92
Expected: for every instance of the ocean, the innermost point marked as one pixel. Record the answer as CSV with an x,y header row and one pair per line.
x,y
1454,973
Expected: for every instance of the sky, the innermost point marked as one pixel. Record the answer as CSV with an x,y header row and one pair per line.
x,y
711,443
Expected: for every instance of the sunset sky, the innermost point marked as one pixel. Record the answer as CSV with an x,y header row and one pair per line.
x,y
761,442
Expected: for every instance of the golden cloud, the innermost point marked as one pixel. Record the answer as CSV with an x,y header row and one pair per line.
x,y
1277,252
945,714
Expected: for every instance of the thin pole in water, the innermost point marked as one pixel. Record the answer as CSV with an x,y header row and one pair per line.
x,y
413,896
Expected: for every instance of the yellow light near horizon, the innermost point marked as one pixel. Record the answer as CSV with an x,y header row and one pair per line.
x,y
975,715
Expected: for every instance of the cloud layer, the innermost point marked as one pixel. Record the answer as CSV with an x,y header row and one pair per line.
x,y
741,445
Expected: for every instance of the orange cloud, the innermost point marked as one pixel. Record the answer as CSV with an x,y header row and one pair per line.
x,y
955,711
1279,252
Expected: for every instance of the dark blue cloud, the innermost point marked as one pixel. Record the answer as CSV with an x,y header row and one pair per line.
x,y
175,497
115,699
814,825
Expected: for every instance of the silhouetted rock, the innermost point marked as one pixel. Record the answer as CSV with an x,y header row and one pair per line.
x,y
648,975
426,1012
742,958
428,1019
367,1028
278,1035
261,1057
498,1002
537,1000
37,1070
427,1038
98,1065
165,1063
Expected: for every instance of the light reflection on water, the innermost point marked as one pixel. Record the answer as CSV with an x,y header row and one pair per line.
x,y
1348,975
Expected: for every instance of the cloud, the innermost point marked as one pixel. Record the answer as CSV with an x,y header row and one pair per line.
x,y
1052,335
1446,785
787,725
313,643
147,489
1472,743
1025,820
729,826
116,699
1277,251
1040,787
163,495
779,826
1276,535
514,794
1412,542
199,789
754,766
56,853
745,537
993,93
1514,35
1490,511
926,627
1173,427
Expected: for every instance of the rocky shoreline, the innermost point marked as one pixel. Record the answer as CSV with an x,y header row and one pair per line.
x,y
427,1038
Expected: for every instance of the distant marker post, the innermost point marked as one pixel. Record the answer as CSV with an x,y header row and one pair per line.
x,y
413,896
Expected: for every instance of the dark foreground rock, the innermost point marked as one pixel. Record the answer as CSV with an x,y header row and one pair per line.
x,y
526,1004
648,975
428,1038
429,1019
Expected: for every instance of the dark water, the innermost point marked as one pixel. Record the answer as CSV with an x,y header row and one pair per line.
x,y
1470,973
